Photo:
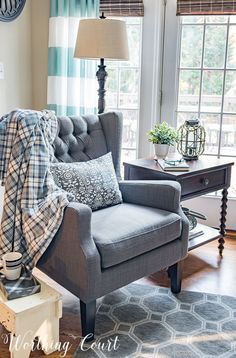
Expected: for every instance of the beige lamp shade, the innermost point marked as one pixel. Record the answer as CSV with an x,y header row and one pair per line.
x,y
102,38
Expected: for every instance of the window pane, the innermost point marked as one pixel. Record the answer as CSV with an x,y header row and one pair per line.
x,y
129,79
133,20
127,154
232,19
112,88
189,88
230,92
192,19
211,123
130,121
191,49
111,64
228,138
231,58
182,117
134,43
212,91
215,42
217,19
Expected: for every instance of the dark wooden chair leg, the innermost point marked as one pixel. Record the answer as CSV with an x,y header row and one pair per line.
x,y
88,314
175,274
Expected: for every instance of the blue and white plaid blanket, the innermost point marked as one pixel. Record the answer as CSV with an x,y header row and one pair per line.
x,y
33,204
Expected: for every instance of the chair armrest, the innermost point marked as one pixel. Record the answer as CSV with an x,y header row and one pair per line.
x,y
72,258
77,220
161,194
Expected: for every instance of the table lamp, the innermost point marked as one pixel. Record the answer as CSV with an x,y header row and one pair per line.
x,y
102,39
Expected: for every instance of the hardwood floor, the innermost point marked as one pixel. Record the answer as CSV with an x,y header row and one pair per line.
x,y
203,271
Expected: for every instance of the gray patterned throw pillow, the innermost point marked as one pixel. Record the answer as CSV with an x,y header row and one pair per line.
x,y
93,183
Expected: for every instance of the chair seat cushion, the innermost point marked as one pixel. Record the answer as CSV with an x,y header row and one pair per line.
x,y
127,230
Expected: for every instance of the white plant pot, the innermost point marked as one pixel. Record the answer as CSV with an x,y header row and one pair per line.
x,y
161,150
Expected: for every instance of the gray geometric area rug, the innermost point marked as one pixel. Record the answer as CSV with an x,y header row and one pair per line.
x,y
144,321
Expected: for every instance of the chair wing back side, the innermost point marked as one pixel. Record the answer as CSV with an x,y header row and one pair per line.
x,y
82,138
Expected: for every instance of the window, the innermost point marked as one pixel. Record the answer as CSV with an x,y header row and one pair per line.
x,y
123,88
207,80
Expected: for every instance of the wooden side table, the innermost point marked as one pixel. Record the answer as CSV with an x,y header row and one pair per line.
x,y
33,316
206,175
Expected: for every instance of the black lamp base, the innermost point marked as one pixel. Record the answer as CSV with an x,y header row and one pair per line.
x,y
101,76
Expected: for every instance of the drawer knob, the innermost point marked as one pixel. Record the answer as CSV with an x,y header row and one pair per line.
x,y
205,181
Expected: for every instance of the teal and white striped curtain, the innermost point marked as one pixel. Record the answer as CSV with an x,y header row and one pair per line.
x,y
72,84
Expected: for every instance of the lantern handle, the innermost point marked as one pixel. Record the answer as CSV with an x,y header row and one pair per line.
x,y
193,122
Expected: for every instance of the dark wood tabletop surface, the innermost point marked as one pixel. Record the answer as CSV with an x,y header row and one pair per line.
x,y
200,165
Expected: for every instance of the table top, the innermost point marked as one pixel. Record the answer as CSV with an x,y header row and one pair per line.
x,y
204,163
22,304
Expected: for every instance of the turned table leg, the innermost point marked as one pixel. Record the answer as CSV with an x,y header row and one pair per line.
x,y
223,214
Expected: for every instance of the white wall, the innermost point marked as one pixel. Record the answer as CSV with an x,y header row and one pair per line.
x,y
15,53
24,53
39,47
210,207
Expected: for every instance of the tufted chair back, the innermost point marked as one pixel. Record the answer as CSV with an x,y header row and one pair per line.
x,y
82,138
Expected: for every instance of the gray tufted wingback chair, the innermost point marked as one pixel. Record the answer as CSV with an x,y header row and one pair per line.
x,y
94,253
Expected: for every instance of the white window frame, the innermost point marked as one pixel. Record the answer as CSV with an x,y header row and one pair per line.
x,y
150,94
170,64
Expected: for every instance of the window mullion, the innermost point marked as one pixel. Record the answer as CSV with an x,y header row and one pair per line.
x,y
205,69
178,72
119,85
202,63
222,155
223,90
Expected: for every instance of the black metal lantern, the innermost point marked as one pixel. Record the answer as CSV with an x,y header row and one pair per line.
x,y
192,138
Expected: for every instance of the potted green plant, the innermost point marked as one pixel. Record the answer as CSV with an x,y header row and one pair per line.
x,y
162,136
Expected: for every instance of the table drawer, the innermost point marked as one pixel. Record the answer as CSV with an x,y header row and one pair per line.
x,y
203,182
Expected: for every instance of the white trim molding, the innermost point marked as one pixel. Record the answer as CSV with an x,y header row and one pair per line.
x,y
150,92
